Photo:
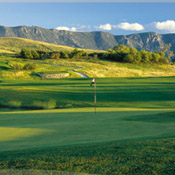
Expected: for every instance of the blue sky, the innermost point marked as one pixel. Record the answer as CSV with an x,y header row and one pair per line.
x,y
116,18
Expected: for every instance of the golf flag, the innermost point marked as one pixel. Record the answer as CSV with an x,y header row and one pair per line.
x,y
95,98
93,81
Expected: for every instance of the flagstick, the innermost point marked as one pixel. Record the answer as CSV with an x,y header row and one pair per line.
x,y
95,98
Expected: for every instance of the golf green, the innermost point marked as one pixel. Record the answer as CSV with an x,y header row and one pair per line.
x,y
38,129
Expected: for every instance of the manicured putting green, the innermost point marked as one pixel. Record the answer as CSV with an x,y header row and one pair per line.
x,y
78,126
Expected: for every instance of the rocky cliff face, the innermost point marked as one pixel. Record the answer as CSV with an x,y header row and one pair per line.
x,y
91,40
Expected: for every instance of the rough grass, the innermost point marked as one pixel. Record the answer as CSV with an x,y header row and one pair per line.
x,y
91,69
51,104
113,158
7,72
113,69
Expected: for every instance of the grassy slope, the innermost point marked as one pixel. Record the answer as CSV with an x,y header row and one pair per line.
x,y
112,69
13,45
8,73
91,68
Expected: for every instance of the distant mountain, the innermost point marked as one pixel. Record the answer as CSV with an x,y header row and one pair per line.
x,y
91,40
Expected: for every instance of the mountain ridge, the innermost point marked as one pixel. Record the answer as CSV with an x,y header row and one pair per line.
x,y
149,41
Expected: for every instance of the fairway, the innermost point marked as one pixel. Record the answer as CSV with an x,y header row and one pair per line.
x,y
156,93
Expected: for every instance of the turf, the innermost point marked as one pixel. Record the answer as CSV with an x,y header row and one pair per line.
x,y
78,128
10,133
123,141
111,92
131,133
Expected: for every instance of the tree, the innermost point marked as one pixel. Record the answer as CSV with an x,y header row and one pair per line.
x,y
26,53
110,50
95,57
129,58
122,48
145,56
55,55
35,54
65,54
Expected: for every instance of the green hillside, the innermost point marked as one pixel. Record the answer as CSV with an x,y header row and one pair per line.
x,y
14,45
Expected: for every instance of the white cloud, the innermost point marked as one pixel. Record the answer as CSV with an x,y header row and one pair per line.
x,y
166,26
73,29
62,28
106,27
124,26
128,26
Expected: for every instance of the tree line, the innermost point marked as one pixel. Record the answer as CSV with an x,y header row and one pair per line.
x,y
123,53
119,53
40,54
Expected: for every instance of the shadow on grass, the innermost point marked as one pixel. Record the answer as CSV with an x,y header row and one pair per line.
x,y
168,117
4,68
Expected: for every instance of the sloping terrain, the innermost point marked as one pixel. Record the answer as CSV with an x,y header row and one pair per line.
x,y
13,44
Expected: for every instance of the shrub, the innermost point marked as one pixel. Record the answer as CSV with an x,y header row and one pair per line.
x,y
16,65
51,104
29,66
14,103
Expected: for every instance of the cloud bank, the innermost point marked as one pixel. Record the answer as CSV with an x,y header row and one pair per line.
x,y
106,27
123,26
128,26
167,26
